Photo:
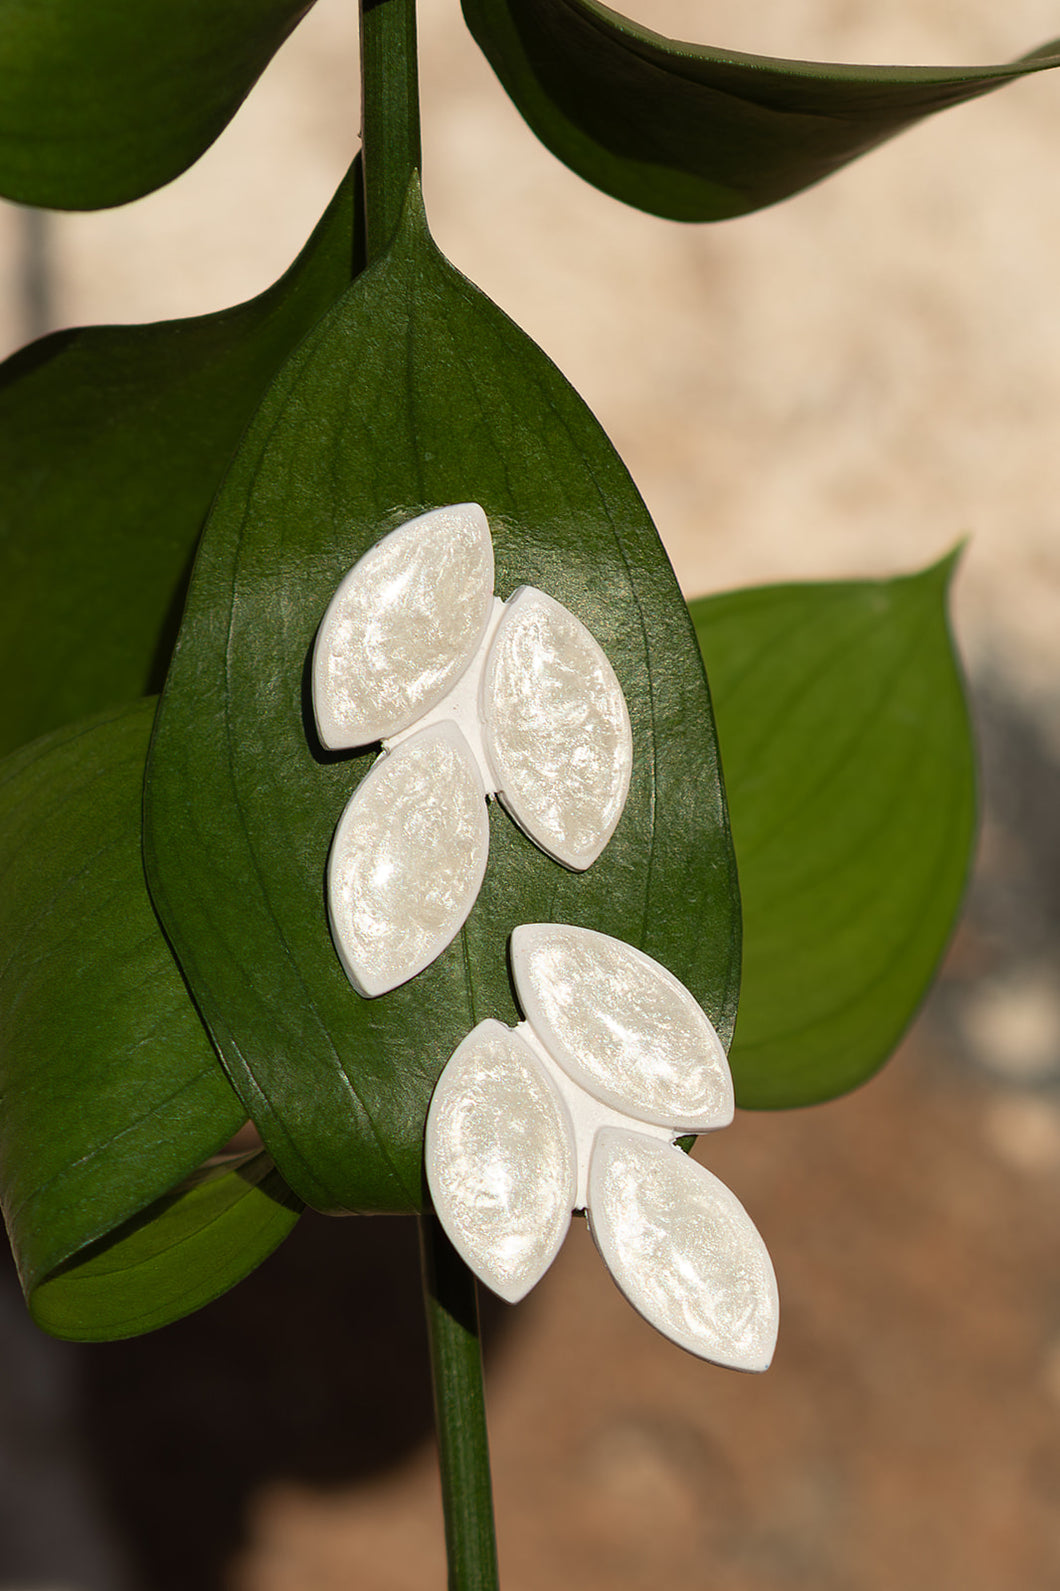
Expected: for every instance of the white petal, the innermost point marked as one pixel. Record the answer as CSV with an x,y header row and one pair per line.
x,y
500,1160
683,1249
403,626
622,1026
407,859
557,729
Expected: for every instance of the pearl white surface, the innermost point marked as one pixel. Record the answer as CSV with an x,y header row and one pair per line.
x,y
403,626
557,729
407,860
622,1026
587,1115
683,1250
460,705
500,1160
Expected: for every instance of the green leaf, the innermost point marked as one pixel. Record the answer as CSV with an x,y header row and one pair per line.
x,y
112,1091
103,102
698,134
113,442
181,1253
850,773
415,392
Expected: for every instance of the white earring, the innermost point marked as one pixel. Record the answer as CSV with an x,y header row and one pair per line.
x,y
471,697
578,1108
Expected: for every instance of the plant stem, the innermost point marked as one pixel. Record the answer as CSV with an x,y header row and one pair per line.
x,y
390,112
451,1305
391,157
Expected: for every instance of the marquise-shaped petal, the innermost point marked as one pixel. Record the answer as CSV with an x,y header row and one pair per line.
x,y
500,1160
683,1249
622,1026
403,626
408,859
557,729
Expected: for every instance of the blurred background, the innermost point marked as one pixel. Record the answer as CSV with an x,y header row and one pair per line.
x,y
844,385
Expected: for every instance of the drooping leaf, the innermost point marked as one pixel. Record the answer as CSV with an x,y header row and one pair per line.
x,y
699,134
181,1253
415,392
850,773
113,441
112,1093
104,102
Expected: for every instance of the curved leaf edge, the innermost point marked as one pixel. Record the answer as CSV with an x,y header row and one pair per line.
x,y
663,188
128,159
51,1262
104,1292
645,41
153,375
791,1094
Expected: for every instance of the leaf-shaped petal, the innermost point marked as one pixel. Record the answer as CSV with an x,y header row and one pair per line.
x,y
557,729
403,626
683,1249
622,1026
500,1160
408,859
694,133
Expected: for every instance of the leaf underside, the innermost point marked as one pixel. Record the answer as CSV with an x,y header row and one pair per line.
x,y
113,442
181,1253
112,1091
102,103
414,393
850,773
699,134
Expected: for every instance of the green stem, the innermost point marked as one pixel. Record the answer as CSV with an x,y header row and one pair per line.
x,y
390,110
451,1304
391,157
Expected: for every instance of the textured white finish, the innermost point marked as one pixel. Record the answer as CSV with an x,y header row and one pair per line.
x,y
415,639
500,1160
524,1125
407,860
683,1250
557,729
623,1026
403,626
460,705
587,1114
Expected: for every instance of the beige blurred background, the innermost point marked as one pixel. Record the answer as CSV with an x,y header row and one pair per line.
x,y
844,385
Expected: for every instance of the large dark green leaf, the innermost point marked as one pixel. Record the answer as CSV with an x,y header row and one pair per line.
x,y
113,441
111,1090
415,392
850,772
693,133
101,102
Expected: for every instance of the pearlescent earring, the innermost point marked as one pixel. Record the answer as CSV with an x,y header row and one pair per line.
x,y
471,697
577,1108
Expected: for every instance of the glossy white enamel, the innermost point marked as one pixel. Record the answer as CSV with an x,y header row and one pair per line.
x,y
407,860
500,1160
403,626
623,1026
683,1250
557,729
